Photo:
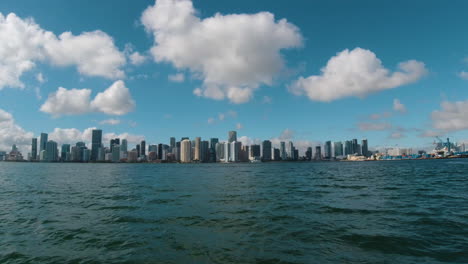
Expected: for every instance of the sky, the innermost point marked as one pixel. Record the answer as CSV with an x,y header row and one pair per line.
x,y
394,72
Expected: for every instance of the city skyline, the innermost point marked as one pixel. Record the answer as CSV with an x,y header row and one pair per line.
x,y
346,75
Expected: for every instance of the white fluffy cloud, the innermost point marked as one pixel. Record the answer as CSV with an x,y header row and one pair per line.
x,y
232,54
356,73
24,43
115,100
452,117
73,135
178,77
136,58
398,106
463,75
11,133
67,102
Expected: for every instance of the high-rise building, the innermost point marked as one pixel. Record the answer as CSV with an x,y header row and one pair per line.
x,y
276,154
197,156
143,148
255,152
213,142
328,150
205,151
116,153
318,153
64,152
172,143
309,153
355,146
219,151
113,142
124,145
227,152
244,154
291,150
96,142
365,148
283,154
348,149
102,154
34,149
266,150
51,151
185,151
43,141
138,150
235,148
232,136
86,155
160,150
338,149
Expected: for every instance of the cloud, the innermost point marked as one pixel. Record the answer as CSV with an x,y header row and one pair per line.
x,y
40,78
136,58
398,106
452,117
396,135
111,122
290,135
93,53
178,77
11,133
115,100
377,116
67,102
232,54
355,73
211,120
239,126
463,75
366,126
223,116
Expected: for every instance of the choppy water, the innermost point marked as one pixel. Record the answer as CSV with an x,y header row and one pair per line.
x,y
372,212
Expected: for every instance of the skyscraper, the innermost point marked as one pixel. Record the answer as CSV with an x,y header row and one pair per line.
x,y
227,152
338,149
266,150
124,145
328,150
348,149
113,142
213,142
197,156
51,151
65,150
204,151
138,150
309,153
255,152
232,136
116,153
34,149
365,148
172,142
318,153
96,143
355,146
283,154
235,148
43,141
185,151
143,148
291,150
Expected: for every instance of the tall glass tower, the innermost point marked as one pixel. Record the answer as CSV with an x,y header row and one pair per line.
x,y
96,143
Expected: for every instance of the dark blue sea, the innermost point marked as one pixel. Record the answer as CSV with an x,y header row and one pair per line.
x,y
324,212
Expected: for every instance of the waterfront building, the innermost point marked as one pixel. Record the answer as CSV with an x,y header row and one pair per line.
x,y
205,151
235,148
276,154
138,150
160,151
219,151
213,142
266,150
96,142
153,148
86,155
51,151
101,154
318,153
290,150
232,136
115,141
348,150
328,150
132,156
283,154
63,153
42,155
338,149
255,153
34,149
116,153
172,142
143,148
43,141
185,151
308,154
124,145
227,151
197,156
296,154
354,146
365,148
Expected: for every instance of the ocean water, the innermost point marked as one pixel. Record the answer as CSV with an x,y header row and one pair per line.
x,y
326,212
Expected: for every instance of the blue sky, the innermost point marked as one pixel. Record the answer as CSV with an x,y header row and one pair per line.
x,y
432,34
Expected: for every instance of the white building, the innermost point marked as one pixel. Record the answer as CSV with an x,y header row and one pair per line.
x,y
185,151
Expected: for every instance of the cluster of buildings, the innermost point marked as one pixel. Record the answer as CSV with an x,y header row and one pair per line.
x,y
184,151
